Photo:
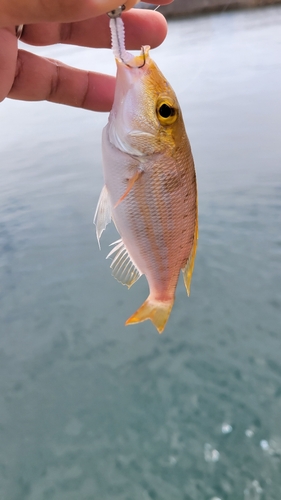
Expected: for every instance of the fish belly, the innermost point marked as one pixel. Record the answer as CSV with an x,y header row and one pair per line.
x,y
156,219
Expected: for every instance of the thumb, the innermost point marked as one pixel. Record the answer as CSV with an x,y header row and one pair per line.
x,y
15,12
8,59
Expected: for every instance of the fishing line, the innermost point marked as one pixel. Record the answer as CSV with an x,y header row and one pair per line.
x,y
204,53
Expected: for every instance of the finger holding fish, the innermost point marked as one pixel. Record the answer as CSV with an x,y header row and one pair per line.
x,y
31,77
142,27
16,12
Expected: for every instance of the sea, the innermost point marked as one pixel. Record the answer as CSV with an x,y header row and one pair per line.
x,y
91,409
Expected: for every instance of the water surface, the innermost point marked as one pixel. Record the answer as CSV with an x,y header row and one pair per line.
x,y
90,409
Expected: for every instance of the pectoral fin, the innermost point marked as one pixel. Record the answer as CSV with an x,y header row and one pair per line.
x,y
103,213
131,182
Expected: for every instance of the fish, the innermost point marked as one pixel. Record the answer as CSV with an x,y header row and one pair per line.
x,y
150,189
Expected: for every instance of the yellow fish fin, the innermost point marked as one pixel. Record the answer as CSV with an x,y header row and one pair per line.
x,y
131,182
188,268
155,310
122,265
103,213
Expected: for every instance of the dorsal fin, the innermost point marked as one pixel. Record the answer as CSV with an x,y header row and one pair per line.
x,y
103,213
122,265
189,266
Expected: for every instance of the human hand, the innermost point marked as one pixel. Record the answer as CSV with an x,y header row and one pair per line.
x,y
26,76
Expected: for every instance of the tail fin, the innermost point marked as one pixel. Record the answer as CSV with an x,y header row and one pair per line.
x,y
155,310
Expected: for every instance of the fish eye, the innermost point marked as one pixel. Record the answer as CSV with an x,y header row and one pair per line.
x,y
166,112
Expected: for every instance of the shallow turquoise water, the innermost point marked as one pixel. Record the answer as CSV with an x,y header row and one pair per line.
x,y
90,409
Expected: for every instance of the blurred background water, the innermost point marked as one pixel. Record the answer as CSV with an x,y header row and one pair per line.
x,y
90,409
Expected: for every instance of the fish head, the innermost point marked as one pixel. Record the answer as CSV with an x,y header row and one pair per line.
x,y
145,117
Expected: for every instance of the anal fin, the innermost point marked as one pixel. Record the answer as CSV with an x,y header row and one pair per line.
x,y
122,265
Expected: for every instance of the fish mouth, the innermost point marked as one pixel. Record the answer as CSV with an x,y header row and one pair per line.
x,y
136,61
130,73
144,53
